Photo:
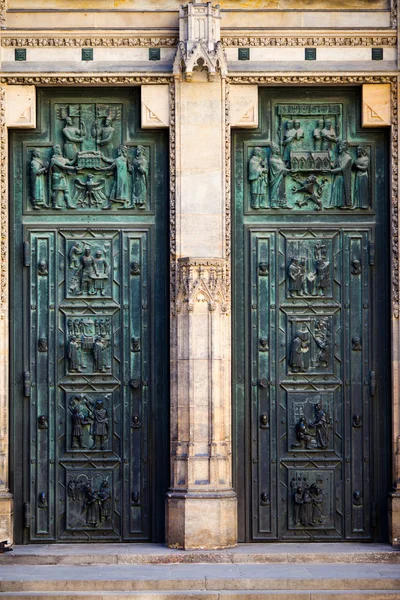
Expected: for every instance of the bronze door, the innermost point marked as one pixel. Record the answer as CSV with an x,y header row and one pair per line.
x,y
311,322
90,393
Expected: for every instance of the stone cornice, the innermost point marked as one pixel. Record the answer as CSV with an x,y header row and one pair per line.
x,y
126,41
341,39
84,79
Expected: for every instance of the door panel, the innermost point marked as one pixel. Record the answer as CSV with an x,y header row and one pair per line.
x,y
90,377
310,369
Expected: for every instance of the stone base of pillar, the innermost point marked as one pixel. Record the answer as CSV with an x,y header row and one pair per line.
x,y
394,518
6,517
200,521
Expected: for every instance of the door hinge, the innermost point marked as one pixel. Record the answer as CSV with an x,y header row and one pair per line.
x,y
27,254
372,383
27,384
27,515
372,253
374,514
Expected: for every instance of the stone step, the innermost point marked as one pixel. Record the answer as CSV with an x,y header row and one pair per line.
x,y
217,581
113,554
212,595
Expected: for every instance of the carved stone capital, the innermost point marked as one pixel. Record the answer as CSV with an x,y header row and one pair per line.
x,y
202,280
199,47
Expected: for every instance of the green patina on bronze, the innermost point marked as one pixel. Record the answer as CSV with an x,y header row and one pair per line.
x,y
311,323
90,394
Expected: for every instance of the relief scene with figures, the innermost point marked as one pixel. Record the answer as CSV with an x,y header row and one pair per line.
x,y
89,167
308,164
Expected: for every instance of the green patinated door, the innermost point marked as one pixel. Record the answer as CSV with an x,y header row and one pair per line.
x,y
311,326
89,320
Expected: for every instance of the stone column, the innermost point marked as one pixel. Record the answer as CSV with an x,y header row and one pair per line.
x,y
201,504
17,109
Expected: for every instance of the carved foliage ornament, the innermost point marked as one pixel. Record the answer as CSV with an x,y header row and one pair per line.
x,y
202,281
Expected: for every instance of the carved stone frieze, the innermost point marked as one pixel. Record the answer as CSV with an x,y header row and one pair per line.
x,y
322,41
80,42
202,280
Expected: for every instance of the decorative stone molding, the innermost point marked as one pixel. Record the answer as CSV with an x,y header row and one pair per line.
x,y
376,106
3,9
393,14
106,41
244,106
201,280
83,80
155,106
199,47
21,106
79,42
325,41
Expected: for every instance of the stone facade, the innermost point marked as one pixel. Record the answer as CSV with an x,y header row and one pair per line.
x,y
199,89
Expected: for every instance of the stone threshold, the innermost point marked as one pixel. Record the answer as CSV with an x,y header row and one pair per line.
x,y
153,554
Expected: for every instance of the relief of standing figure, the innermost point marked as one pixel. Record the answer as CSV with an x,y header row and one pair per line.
x,y
258,178
59,167
72,137
277,174
140,173
38,170
361,186
321,423
120,189
341,187
289,136
100,425
317,136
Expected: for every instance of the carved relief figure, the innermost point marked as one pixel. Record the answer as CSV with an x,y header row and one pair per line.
x,y
297,143
43,268
320,424
59,167
303,435
357,421
356,345
322,342
322,277
95,505
341,187
73,256
329,140
104,137
100,275
308,502
300,351
72,136
38,169
100,425
288,136
318,136
78,423
120,189
98,354
356,268
87,268
277,174
295,275
140,171
361,186
258,178
74,355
